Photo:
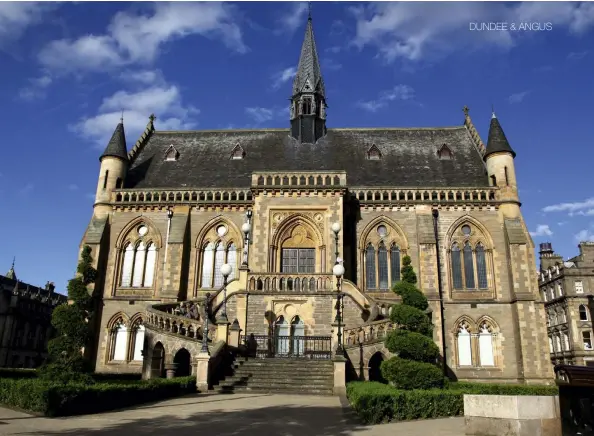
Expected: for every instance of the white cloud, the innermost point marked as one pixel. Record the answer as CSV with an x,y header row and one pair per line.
x,y
25,190
15,17
585,235
585,207
576,56
542,230
73,187
259,114
292,18
517,97
418,30
330,65
283,76
138,37
142,77
398,92
36,89
162,99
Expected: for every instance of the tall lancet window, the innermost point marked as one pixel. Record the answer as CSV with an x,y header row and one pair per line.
x,y
395,263
468,267
151,259
370,267
464,346
120,341
382,258
481,266
138,265
207,264
127,266
232,260
219,261
486,354
456,267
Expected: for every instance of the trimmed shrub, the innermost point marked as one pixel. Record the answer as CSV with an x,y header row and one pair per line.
x,y
411,319
411,296
376,403
409,374
17,373
413,346
55,399
408,273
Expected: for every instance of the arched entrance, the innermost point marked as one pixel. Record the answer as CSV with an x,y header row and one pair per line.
x,y
182,359
281,336
297,336
158,361
375,373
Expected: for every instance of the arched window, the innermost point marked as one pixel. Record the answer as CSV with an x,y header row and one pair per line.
x,y
298,332
282,333
464,346
486,354
558,342
213,257
218,263
551,348
207,265
382,257
566,341
138,265
120,340
395,263
583,313
370,267
232,259
138,337
469,259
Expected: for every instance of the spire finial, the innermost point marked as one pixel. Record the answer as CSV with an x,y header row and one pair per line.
x,y
11,274
493,111
152,118
309,11
13,259
465,109
122,117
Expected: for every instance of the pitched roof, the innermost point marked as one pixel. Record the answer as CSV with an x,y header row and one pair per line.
x,y
116,146
309,64
497,141
409,158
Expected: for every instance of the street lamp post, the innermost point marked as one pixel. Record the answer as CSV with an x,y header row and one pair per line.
x,y
204,348
338,271
246,228
225,271
336,229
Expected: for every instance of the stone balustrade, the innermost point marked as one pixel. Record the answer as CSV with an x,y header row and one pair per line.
x,y
368,333
450,195
299,179
290,282
160,317
239,196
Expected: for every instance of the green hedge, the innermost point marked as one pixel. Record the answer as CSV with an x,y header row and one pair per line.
x,y
377,403
22,373
51,399
17,373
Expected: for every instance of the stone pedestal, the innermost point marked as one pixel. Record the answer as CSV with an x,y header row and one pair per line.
x,y
170,369
512,415
339,375
234,333
202,371
222,329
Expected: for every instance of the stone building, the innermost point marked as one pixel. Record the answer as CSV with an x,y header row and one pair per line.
x,y
567,290
25,321
170,211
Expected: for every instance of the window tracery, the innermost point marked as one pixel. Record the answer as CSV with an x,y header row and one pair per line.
x,y
469,259
382,256
139,259
476,344
217,248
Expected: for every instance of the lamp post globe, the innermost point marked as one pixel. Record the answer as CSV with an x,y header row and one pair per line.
x,y
338,270
226,269
246,227
336,227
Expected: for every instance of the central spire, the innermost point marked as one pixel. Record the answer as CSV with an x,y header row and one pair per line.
x,y
308,99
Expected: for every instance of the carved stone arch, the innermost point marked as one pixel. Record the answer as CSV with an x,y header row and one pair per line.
x,y
153,234
287,226
464,320
491,324
484,237
137,318
208,232
400,236
117,317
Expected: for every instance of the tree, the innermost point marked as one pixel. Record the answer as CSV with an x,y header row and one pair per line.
x,y
415,363
408,273
71,321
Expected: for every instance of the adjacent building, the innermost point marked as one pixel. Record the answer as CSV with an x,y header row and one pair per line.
x,y
567,289
25,321
170,211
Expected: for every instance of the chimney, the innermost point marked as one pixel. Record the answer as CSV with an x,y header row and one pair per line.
x,y
548,257
586,251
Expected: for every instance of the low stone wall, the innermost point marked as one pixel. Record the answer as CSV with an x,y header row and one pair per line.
x,y
512,415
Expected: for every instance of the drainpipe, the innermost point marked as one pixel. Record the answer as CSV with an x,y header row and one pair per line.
x,y
440,289
169,216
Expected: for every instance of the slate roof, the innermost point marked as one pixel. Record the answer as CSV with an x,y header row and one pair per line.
x,y
116,146
309,64
409,158
497,141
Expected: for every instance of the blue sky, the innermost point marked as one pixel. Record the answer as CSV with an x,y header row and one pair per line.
x,y
68,70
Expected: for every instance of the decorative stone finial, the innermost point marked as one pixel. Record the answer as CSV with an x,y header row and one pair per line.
x,y
465,109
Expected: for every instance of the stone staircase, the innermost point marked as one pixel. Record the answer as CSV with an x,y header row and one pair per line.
x,y
291,376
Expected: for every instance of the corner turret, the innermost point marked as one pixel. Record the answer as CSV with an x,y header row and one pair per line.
x,y
499,158
114,166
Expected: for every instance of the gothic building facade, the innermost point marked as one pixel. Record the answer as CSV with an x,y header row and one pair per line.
x,y
171,211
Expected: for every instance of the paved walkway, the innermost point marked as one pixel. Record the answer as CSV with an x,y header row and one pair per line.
x,y
225,415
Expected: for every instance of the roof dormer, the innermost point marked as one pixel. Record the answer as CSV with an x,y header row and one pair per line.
x,y
444,152
374,153
238,152
171,154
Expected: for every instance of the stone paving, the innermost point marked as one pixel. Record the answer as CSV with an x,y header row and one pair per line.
x,y
225,415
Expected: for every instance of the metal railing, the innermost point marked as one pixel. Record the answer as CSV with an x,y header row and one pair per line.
x,y
288,347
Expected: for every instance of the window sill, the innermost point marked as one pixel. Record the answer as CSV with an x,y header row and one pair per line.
x,y
472,294
134,292
478,368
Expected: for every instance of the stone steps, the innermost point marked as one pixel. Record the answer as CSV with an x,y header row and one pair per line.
x,y
299,376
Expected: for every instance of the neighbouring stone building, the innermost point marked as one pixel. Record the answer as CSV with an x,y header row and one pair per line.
x,y
567,289
171,211
25,321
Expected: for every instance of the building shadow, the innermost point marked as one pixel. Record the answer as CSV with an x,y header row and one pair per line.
x,y
286,420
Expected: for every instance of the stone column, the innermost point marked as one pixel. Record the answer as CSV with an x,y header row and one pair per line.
x,y
170,370
202,371
339,375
